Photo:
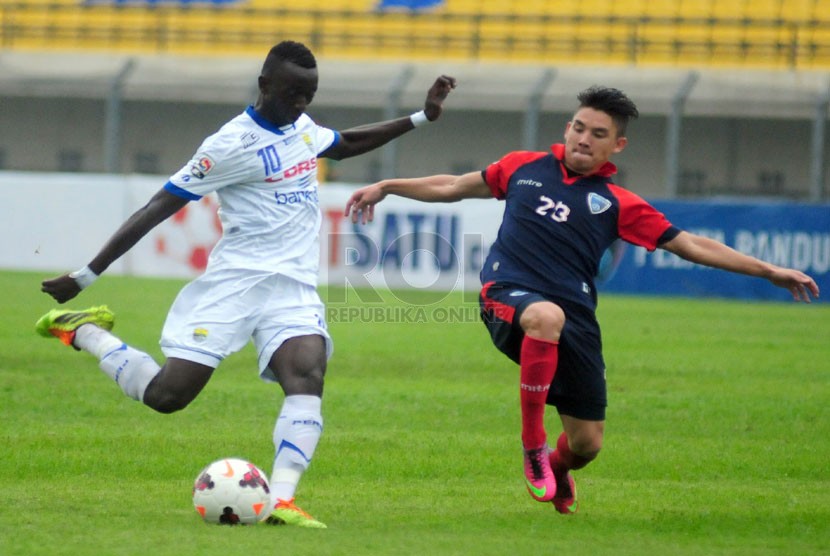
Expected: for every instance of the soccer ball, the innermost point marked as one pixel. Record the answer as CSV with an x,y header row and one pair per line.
x,y
232,491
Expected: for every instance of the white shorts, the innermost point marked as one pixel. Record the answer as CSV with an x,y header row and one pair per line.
x,y
219,312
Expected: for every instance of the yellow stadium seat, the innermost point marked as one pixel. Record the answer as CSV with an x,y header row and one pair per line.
x,y
591,8
696,9
603,43
456,37
728,10
656,43
657,10
498,7
821,11
311,5
796,11
763,9
814,48
762,33
541,8
628,8
466,7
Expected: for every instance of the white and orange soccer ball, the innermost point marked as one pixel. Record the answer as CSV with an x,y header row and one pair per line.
x,y
232,491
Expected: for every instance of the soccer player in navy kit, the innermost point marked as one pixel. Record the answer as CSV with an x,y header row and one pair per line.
x,y
261,278
538,298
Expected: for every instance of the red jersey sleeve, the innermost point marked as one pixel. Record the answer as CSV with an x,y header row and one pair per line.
x,y
497,175
639,222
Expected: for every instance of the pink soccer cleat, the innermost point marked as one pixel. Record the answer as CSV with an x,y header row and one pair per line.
x,y
539,479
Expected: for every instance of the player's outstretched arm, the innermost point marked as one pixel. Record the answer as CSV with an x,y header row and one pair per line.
x,y
161,206
362,139
706,251
442,188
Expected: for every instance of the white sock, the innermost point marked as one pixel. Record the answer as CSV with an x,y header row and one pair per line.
x,y
95,340
131,369
296,434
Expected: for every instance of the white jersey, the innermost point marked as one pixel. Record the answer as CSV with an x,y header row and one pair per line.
x,y
265,178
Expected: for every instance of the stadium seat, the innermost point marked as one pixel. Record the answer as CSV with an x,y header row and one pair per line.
x,y
821,11
697,9
754,33
315,5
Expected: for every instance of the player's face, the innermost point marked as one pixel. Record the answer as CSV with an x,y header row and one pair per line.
x,y
286,93
590,140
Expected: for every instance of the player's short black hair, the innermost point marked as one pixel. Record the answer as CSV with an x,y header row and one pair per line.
x,y
289,51
612,101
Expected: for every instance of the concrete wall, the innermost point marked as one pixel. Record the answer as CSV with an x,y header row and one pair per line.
x,y
721,156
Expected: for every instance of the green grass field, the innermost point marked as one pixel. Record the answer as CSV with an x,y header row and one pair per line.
x,y
718,438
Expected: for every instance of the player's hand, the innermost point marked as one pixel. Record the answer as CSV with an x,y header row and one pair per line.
x,y
436,96
361,204
62,289
800,285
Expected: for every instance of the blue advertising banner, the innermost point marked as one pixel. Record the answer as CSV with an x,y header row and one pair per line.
x,y
786,234
413,5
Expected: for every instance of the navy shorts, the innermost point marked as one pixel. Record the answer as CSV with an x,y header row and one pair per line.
x,y
578,388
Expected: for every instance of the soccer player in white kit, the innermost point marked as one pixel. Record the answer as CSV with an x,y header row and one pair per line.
x,y
260,281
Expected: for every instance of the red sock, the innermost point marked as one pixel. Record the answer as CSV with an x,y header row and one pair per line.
x,y
538,365
562,459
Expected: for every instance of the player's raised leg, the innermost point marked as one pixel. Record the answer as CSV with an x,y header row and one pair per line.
x,y
89,330
164,389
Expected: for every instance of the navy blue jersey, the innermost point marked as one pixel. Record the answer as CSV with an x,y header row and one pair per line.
x,y
556,227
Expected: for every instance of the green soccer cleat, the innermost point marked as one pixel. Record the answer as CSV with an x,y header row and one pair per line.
x,y
287,513
62,323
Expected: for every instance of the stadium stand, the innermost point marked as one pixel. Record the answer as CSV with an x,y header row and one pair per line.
x,y
769,34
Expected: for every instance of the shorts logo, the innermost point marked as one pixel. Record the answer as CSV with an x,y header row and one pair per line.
x,y
517,293
201,166
200,334
597,203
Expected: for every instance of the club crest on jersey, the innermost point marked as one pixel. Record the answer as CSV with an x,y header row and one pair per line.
x,y
201,166
598,203
308,143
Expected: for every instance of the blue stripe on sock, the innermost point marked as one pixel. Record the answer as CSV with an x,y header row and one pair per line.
x,y
290,446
